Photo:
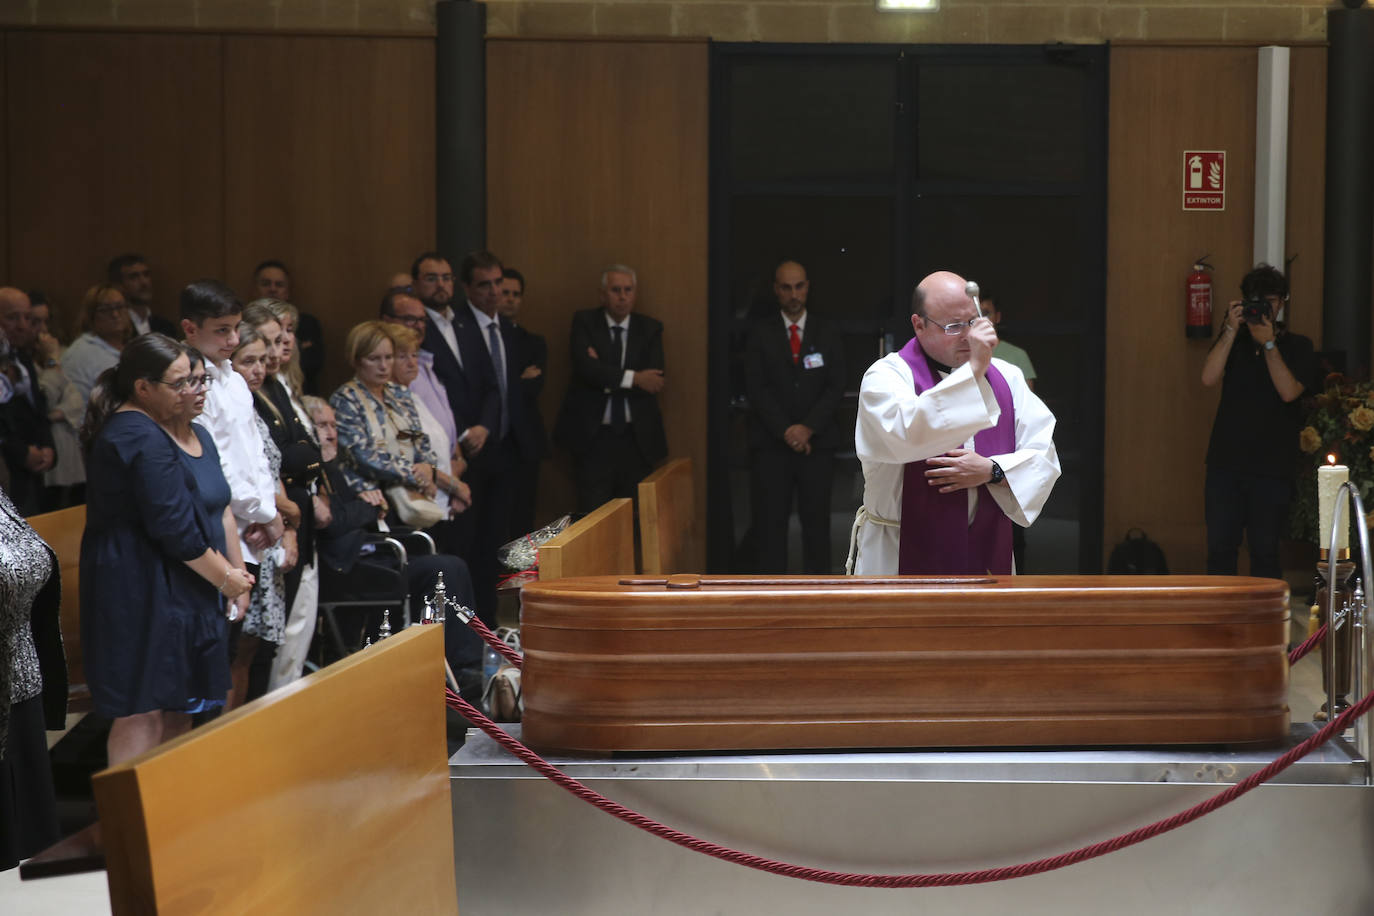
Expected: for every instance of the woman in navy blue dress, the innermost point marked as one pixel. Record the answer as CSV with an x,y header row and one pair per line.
x,y
154,571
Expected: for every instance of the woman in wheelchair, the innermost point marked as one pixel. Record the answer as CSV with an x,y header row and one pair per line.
x,y
360,570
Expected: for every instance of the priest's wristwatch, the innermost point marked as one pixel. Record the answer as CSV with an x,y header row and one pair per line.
x,y
998,475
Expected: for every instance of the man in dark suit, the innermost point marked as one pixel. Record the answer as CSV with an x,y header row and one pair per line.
x,y
472,393
533,361
25,427
610,417
473,356
794,378
133,276
515,439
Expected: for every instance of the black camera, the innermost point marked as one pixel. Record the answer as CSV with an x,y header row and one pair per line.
x,y
1254,311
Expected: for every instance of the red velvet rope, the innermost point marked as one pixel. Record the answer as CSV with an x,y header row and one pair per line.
x,y
495,642
946,879
1307,646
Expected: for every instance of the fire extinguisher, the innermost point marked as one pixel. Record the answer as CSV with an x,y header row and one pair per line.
x,y
1199,300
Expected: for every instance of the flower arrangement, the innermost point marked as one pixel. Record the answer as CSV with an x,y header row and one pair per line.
x,y
1339,422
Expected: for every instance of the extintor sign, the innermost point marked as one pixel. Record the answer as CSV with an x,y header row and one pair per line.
x,y
1204,180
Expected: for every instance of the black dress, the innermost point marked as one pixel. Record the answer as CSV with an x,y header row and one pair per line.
x,y
153,631
33,687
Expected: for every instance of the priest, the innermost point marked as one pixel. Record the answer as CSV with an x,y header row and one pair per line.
x,y
955,446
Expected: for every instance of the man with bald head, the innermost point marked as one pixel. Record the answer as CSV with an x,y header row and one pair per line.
x,y
794,379
25,428
955,447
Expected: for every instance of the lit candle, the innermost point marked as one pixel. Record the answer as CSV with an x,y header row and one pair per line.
x,y
1329,479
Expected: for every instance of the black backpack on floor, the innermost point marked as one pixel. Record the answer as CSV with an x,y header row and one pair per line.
x,y
1137,555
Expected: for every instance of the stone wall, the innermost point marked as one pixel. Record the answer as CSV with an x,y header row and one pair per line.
x,y
958,21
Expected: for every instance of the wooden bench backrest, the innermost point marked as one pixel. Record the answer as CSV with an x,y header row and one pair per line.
x,y
599,544
330,795
62,530
667,519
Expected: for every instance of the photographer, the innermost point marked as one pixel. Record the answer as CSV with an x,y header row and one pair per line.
x,y
1263,370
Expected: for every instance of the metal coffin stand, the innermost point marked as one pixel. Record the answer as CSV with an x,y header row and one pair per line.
x,y
1302,844
525,846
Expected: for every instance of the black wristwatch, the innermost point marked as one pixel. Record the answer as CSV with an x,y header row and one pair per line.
x,y
998,475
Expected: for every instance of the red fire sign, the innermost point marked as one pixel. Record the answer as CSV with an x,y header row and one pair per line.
x,y
1204,180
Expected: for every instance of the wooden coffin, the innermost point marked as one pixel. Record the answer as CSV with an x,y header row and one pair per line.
x,y
714,662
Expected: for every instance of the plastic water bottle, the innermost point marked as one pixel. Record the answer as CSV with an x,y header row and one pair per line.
x,y
491,663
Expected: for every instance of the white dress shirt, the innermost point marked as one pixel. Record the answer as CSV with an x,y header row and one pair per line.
x,y
444,322
141,324
483,322
627,380
230,419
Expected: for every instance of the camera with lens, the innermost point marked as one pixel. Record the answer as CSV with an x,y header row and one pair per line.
x,y
1254,311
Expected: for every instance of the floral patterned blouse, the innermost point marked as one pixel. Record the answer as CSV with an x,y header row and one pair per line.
x,y
380,441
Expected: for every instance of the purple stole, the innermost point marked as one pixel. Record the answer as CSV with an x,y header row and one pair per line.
x,y
937,538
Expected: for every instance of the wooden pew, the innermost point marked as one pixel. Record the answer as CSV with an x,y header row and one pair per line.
x,y
667,519
330,795
62,530
599,544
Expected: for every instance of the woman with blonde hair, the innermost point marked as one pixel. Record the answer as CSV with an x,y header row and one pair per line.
x,y
289,372
265,621
105,329
381,441
453,495
277,402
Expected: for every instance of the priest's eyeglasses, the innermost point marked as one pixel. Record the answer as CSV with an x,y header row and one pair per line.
x,y
958,327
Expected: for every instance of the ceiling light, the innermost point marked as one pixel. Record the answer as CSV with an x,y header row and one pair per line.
x,y
897,5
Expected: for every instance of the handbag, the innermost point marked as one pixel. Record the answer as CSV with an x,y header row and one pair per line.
x,y
413,509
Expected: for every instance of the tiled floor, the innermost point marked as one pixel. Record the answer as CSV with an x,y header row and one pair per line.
x,y
87,895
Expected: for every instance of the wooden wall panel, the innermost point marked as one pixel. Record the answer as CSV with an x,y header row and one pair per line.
x,y
597,153
116,144
330,169
1159,415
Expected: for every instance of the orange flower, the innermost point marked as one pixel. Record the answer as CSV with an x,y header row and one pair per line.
x,y
1362,418
1309,440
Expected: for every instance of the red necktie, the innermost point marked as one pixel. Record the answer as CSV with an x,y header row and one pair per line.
x,y
794,336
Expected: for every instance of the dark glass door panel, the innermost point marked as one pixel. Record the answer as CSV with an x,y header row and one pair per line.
x,y
845,243
873,167
1021,250
988,122
812,118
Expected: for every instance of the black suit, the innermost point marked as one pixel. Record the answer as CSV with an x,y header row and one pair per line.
x,y
472,392
300,467
475,397
159,325
24,422
611,461
783,392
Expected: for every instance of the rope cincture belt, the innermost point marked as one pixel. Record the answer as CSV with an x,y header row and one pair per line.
x,y
861,518
945,879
